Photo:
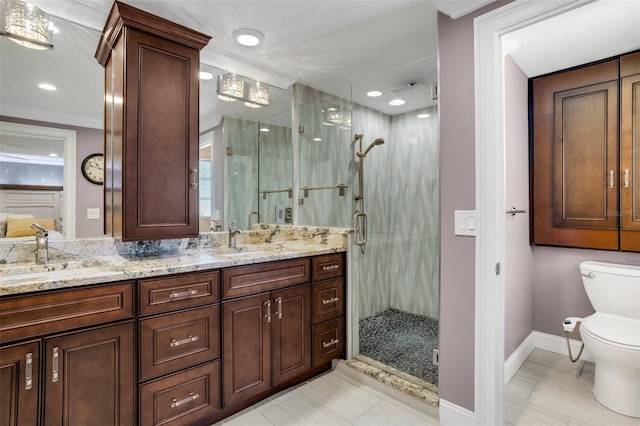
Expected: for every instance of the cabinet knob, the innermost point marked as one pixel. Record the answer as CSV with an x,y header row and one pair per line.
x,y
194,179
268,305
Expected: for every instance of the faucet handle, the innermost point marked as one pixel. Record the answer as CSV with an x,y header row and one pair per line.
x,y
41,232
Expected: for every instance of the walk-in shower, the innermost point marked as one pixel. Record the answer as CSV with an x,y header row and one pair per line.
x,y
360,217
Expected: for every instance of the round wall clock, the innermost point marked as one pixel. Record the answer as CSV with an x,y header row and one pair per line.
x,y
93,168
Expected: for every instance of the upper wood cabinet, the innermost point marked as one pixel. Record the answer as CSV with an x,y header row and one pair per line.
x,y
151,125
630,152
582,175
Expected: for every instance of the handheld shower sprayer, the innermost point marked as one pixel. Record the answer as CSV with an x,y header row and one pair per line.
x,y
360,217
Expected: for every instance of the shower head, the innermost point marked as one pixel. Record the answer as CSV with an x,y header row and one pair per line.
x,y
378,141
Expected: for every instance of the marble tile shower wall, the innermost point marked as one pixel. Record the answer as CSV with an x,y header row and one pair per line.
x,y
276,152
400,267
325,158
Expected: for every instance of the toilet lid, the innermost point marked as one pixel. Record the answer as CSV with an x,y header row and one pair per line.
x,y
613,329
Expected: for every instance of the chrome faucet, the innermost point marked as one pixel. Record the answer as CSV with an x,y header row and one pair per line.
x,y
233,231
42,244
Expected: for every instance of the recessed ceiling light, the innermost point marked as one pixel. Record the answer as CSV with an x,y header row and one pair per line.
x,y
374,93
205,75
397,102
248,37
47,86
423,116
53,154
317,139
264,129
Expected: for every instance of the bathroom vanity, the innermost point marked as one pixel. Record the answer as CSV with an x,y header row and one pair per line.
x,y
189,342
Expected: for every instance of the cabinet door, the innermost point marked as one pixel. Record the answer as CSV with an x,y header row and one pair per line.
x,y
291,333
19,367
630,157
161,142
246,357
576,157
89,377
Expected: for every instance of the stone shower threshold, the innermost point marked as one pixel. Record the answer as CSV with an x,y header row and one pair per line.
x,y
406,383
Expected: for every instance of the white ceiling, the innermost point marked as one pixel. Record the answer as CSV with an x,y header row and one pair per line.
x,y
344,47
598,30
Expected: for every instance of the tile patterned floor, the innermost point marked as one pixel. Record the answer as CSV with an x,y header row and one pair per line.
x,y
340,397
401,340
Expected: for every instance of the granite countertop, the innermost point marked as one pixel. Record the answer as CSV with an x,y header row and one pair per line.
x,y
25,277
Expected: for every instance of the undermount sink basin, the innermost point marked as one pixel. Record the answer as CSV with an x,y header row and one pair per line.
x,y
247,252
30,268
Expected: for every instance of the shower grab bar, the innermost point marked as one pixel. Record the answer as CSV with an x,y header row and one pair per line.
x,y
250,222
339,186
264,192
360,226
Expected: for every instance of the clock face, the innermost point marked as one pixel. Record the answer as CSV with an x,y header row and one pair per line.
x,y
93,168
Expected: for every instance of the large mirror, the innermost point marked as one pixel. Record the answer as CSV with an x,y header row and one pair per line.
x,y
245,153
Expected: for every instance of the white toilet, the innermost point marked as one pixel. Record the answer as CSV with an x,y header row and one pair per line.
x,y
612,334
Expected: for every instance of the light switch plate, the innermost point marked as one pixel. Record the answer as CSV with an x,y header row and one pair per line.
x,y
465,222
93,213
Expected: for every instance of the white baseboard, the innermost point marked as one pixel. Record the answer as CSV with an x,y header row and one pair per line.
x,y
454,415
518,357
544,341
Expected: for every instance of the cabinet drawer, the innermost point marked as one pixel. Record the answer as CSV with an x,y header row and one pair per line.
x,y
329,266
182,398
249,279
328,300
182,291
328,342
175,341
37,314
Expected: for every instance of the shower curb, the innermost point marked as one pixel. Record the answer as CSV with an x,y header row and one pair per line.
x,y
367,366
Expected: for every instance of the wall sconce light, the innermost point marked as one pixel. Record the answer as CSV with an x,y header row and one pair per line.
x,y
27,25
231,87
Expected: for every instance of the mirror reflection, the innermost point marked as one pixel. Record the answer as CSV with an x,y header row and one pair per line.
x,y
243,150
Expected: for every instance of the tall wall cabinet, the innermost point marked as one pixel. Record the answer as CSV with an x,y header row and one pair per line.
x,y
151,125
586,156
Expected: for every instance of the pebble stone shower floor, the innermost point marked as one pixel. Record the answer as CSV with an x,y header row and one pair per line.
x,y
403,341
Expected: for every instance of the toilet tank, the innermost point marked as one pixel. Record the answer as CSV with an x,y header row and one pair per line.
x,y
612,288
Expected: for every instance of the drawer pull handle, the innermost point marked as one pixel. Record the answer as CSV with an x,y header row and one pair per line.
x,y
189,339
54,366
329,301
330,343
180,294
626,178
611,179
268,305
279,311
331,267
28,372
192,397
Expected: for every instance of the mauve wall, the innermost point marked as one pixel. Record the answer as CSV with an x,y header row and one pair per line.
x,y
88,195
557,285
457,192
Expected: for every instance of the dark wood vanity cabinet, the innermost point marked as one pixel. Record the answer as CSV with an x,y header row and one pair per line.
x,y
190,348
266,337
584,180
151,125
179,340
75,369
